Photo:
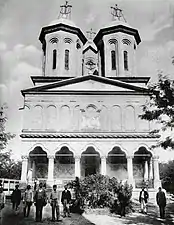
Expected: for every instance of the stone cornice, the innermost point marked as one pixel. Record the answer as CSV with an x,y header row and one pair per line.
x,y
88,135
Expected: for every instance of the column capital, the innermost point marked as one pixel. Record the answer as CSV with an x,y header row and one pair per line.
x,y
77,157
155,157
24,157
50,156
103,157
129,156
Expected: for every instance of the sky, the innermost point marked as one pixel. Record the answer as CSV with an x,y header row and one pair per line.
x,y
20,50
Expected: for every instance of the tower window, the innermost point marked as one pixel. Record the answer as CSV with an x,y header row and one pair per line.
x,y
113,60
54,59
125,60
66,59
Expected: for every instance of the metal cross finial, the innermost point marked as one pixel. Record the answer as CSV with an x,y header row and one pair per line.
x,y
117,13
65,10
90,34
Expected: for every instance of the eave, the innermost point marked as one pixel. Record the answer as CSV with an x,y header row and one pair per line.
x,y
116,29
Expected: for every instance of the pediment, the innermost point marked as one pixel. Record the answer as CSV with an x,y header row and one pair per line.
x,y
87,83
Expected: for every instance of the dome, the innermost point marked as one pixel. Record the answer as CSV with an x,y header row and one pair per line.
x,y
63,21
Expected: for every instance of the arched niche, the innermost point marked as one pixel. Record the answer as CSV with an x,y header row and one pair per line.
x,y
90,162
65,117
142,167
129,118
64,166
37,116
116,119
38,161
51,113
117,164
27,117
104,118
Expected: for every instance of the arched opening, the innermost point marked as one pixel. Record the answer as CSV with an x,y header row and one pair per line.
x,y
64,165
54,59
90,162
38,164
143,168
66,59
125,54
117,164
113,60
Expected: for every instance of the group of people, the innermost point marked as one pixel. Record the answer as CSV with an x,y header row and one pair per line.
x,y
40,199
160,199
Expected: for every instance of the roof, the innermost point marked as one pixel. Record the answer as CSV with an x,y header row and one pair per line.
x,y
63,21
107,85
117,27
90,45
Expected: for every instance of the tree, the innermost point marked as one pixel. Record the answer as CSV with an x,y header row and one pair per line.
x,y
8,167
160,109
167,175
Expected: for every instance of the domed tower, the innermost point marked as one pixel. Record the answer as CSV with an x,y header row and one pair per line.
x,y
62,43
117,44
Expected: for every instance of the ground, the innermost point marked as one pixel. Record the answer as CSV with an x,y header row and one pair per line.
x,y
10,218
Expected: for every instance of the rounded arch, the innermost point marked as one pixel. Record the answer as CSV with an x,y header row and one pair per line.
x,y
93,146
26,106
68,40
64,145
119,146
53,40
38,145
126,41
112,41
143,145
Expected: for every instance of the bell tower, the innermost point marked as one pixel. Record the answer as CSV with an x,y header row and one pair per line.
x,y
117,43
62,43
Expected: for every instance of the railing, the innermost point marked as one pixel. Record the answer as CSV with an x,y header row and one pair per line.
x,y
8,185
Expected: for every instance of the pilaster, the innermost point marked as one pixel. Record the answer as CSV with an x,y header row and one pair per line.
x,y
24,168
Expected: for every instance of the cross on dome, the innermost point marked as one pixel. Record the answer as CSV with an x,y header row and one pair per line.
x,y
90,34
65,10
117,13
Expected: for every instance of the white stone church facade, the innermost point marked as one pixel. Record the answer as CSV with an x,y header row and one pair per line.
x,y
81,115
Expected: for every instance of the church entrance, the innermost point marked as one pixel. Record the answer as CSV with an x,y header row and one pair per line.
x,y
90,162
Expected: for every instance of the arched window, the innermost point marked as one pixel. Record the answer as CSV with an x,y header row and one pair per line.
x,y
113,60
54,59
125,60
66,59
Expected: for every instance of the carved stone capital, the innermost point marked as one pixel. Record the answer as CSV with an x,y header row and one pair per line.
x,y
130,157
24,157
50,156
103,157
77,157
155,157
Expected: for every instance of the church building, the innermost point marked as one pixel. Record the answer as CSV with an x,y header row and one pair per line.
x,y
81,116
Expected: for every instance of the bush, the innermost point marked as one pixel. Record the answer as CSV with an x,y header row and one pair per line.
x,y
99,191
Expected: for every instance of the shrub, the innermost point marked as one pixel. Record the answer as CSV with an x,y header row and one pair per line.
x,y
99,191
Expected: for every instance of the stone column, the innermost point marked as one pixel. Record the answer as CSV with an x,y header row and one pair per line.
x,y
157,182
145,170
50,168
130,170
103,165
24,168
77,166
150,170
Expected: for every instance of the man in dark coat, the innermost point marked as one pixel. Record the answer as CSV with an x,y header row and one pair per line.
x,y
16,197
65,199
40,199
143,198
161,201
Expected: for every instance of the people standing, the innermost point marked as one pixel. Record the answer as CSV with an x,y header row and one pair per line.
x,y
16,197
54,201
143,198
65,199
40,199
28,195
2,199
161,201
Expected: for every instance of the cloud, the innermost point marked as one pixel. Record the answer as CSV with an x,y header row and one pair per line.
x,y
157,59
